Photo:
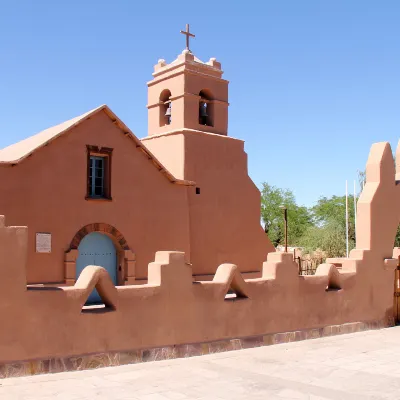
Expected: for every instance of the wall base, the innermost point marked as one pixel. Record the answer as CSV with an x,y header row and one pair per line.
x,y
110,359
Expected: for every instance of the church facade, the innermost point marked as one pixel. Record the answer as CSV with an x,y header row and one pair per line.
x,y
91,192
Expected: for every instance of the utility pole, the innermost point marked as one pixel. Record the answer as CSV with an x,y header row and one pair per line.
x,y
284,209
347,221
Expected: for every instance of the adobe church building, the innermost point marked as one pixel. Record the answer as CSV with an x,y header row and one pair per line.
x,y
91,192
158,213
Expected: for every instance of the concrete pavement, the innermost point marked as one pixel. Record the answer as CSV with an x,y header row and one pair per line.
x,y
363,365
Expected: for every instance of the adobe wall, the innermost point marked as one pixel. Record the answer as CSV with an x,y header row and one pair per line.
x,y
218,165
47,191
170,310
224,218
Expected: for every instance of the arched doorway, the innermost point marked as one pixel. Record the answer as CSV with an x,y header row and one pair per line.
x,y
126,258
97,249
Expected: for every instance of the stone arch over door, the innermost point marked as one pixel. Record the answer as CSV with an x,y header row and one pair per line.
x,y
126,257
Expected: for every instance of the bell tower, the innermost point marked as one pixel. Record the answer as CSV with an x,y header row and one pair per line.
x,y
188,94
188,133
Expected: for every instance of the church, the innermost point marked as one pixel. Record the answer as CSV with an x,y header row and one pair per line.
x,y
92,193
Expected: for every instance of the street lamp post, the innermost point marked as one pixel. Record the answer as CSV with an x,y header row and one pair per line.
x,y
284,209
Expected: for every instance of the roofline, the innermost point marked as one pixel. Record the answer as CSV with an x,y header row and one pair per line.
x,y
161,78
45,143
145,150
191,131
126,131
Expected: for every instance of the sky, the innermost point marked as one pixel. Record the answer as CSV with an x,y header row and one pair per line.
x,y
313,83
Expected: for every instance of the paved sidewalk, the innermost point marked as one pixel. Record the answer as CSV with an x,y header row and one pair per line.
x,y
349,367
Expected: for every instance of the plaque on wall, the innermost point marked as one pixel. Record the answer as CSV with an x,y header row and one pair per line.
x,y
43,242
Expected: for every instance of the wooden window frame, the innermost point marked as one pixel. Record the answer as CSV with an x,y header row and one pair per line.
x,y
106,153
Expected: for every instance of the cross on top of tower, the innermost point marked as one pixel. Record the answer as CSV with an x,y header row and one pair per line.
x,y
188,35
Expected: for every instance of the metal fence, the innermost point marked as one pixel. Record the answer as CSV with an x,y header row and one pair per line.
x,y
308,266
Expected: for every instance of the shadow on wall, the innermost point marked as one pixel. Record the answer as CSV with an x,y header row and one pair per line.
x,y
171,309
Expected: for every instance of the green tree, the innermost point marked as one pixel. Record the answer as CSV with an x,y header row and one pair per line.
x,y
330,238
299,218
328,232
332,210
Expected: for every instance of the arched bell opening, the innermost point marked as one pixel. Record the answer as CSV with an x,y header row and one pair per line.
x,y
165,108
206,108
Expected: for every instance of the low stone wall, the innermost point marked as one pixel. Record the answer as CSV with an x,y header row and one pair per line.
x,y
93,361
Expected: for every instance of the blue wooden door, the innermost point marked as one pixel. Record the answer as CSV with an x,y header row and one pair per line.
x,y
97,249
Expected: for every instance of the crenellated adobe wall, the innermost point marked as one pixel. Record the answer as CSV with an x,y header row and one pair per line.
x,y
171,310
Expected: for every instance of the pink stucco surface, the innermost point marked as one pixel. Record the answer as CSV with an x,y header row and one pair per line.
x,y
47,190
172,309
218,165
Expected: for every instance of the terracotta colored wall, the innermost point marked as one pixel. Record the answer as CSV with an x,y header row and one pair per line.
x,y
175,311
218,165
225,216
373,232
171,309
46,192
170,151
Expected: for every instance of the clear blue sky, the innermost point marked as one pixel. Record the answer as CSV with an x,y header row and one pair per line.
x,y
313,83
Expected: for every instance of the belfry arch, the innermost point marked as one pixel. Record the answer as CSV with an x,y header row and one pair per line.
x,y
165,107
125,257
206,108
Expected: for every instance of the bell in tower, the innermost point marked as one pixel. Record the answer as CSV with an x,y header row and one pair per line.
x,y
168,114
203,116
